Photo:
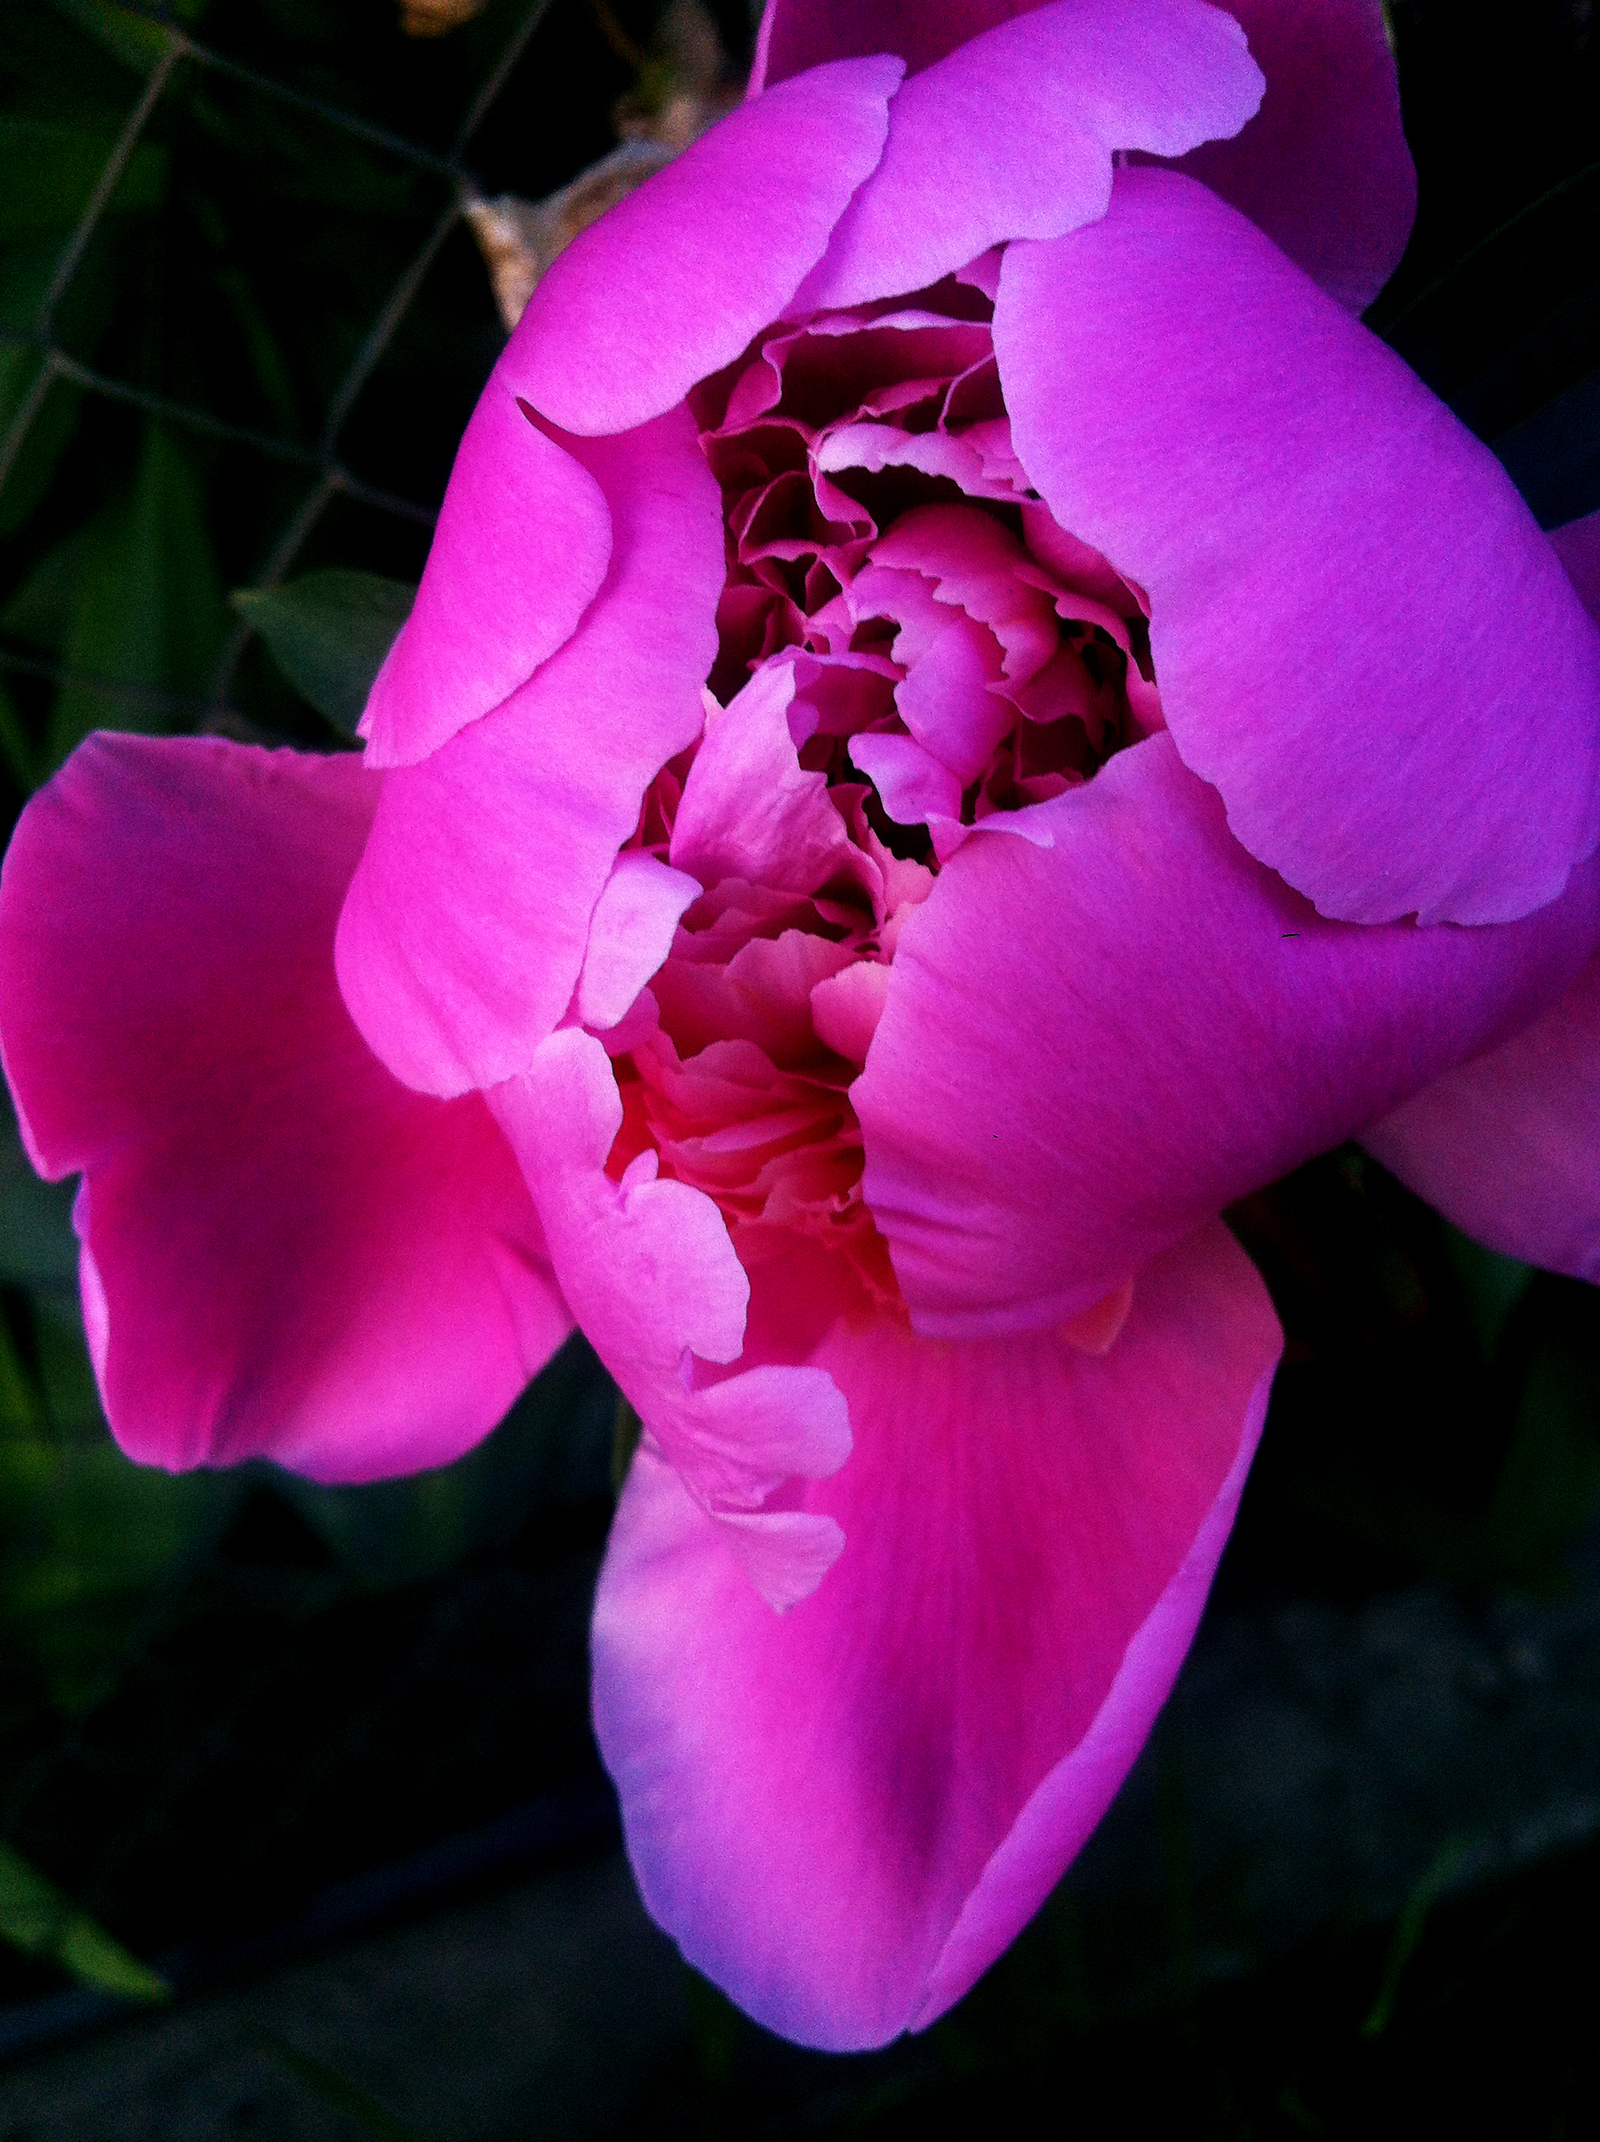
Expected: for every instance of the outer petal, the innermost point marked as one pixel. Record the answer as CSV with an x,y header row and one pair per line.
x,y
1508,1146
1074,81
1360,635
1578,547
655,1283
466,924
1324,170
796,34
843,1816
285,1252
672,283
1089,1049
523,540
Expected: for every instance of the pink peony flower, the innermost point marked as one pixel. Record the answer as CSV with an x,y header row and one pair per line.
x,y
962,715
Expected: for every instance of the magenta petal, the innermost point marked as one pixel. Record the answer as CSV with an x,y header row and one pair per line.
x,y
672,283
522,544
1324,169
1359,633
912,784
1508,1146
1075,81
285,1252
844,1815
654,1281
467,921
1578,547
630,934
796,34
1089,1049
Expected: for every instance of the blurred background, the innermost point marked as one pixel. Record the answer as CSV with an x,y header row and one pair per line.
x,y
302,1832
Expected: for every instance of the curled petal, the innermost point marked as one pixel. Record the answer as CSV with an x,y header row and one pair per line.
x,y
1087,1050
1361,637
796,34
1075,81
523,540
661,1295
468,918
672,282
844,1815
285,1252
630,934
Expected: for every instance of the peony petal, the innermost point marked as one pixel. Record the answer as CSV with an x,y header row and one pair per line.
x,y
1359,634
913,786
285,1252
630,934
844,1815
1508,1146
522,544
1088,1050
466,925
1075,81
656,1285
1323,169
672,283
796,34
1578,547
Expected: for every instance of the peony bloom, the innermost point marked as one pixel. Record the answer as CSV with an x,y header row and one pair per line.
x,y
962,715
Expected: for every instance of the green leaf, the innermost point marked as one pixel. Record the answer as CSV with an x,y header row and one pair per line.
x,y
36,1918
147,604
48,172
329,633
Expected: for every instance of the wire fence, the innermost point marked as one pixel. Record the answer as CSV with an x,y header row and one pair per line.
x,y
322,460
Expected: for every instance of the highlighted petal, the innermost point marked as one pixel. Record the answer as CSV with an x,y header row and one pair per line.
x,y
1155,1027
661,1295
285,1252
467,922
630,934
523,540
1075,81
843,1816
672,283
1360,636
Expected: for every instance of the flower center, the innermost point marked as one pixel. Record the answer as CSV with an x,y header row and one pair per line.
x,y
909,648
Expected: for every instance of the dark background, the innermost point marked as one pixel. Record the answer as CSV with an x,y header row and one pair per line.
x,y
240,1717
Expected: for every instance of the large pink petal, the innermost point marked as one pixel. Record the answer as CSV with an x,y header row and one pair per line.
x,y
523,539
285,1252
654,1281
1360,635
1011,136
672,283
1508,1146
845,1814
1324,169
467,921
1088,1050
796,34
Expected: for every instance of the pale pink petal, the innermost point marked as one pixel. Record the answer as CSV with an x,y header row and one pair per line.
x,y
946,703
1012,135
630,934
749,810
467,921
1323,168
1089,1049
285,1251
844,1815
847,1006
1508,1146
522,544
653,1280
1359,634
672,283
912,784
